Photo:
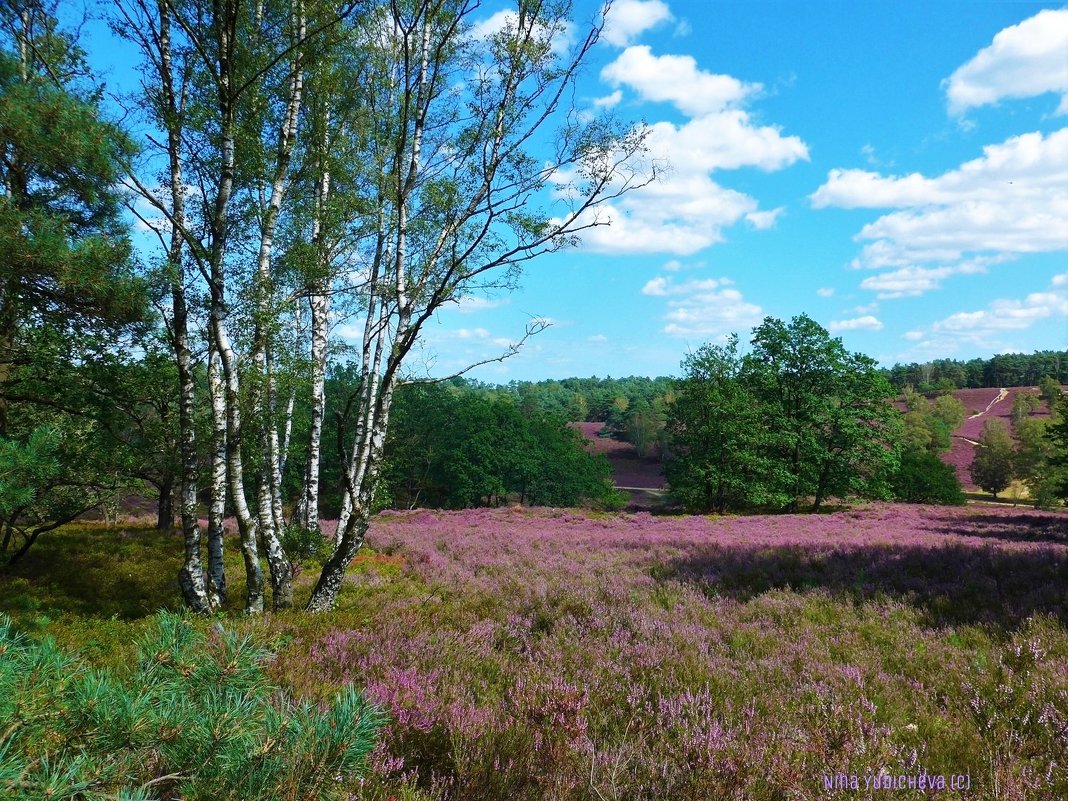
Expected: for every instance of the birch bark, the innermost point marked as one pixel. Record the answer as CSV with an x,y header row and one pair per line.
x,y
217,504
268,473
191,576
319,305
451,116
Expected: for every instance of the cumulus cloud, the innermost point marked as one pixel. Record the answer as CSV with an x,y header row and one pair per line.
x,y
762,220
1013,200
708,308
914,281
1024,60
471,333
985,328
825,292
677,80
866,323
610,100
686,210
628,19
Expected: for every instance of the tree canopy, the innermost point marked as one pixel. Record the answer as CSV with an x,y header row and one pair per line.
x,y
798,418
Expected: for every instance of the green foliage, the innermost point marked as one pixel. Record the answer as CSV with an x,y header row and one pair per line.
x,y
798,417
1057,434
1049,389
455,447
840,433
1024,404
992,466
198,718
719,442
24,468
1003,370
305,544
924,478
68,291
929,425
949,410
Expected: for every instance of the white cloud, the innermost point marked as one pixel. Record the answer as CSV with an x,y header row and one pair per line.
x,y
686,210
914,281
1012,200
662,286
598,339
707,308
825,292
762,220
609,101
471,304
471,333
628,19
984,328
866,323
1024,60
675,79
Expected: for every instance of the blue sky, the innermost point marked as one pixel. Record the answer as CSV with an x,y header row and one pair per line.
x,y
896,170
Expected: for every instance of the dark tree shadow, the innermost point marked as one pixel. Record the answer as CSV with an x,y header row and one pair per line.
x,y
950,584
1021,527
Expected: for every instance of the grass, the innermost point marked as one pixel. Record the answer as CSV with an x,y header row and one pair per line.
x,y
551,654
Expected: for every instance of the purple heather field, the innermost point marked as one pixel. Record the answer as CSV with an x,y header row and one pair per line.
x,y
559,654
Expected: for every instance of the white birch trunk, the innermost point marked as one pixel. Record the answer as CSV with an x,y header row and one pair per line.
x,y
280,463
268,492
191,577
319,303
235,470
217,504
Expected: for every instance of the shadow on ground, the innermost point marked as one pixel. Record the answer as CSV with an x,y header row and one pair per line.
x,y
1021,527
950,584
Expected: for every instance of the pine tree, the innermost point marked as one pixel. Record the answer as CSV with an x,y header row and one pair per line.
x,y
67,286
196,719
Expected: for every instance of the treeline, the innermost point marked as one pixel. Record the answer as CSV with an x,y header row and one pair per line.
x,y
799,419
633,409
1002,370
460,444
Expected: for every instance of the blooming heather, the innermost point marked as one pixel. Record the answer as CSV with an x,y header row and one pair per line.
x,y
534,654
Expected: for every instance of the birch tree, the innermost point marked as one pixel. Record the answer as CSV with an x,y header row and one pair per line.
x,y
475,164
227,94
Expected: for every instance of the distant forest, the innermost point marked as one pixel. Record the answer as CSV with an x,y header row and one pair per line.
x,y
1003,370
617,400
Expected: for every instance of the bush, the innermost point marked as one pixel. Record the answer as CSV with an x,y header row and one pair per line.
x,y
196,719
924,478
304,544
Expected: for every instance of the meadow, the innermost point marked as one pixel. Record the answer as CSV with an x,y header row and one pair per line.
x,y
561,654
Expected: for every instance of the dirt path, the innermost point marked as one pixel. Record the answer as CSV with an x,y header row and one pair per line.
x,y
1002,394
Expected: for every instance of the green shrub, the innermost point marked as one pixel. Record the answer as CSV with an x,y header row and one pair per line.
x,y
196,719
924,478
304,544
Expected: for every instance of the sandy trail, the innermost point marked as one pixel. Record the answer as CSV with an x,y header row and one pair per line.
x,y
1002,394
